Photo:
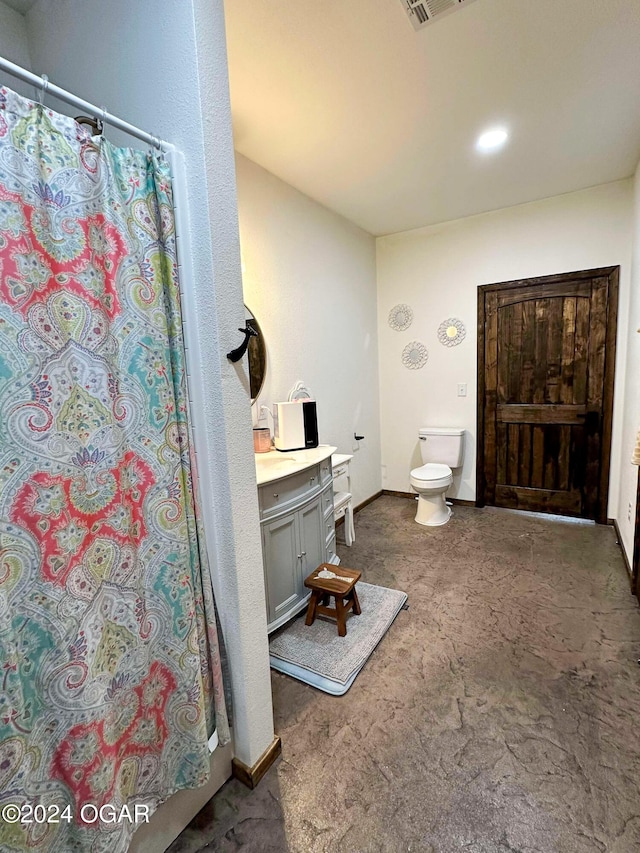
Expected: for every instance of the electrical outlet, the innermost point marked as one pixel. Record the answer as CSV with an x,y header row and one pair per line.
x,y
462,389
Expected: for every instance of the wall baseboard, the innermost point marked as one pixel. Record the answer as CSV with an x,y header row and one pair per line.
x,y
454,501
360,506
627,564
368,501
393,494
250,776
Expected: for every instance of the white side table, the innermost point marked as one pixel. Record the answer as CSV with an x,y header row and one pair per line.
x,y
343,501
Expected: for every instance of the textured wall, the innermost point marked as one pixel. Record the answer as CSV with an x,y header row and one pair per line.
x,y
163,67
631,417
310,279
437,270
14,46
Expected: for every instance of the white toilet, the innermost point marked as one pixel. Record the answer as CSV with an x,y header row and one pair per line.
x,y
442,450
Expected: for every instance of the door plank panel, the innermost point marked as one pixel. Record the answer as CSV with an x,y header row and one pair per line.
x,y
518,497
514,450
537,463
504,334
528,351
554,349
564,458
578,458
583,307
540,414
595,380
501,452
524,473
608,386
540,365
545,291
515,354
568,349
596,347
551,450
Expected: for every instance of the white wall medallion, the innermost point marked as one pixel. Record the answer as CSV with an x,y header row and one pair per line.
x,y
400,317
299,392
415,355
451,332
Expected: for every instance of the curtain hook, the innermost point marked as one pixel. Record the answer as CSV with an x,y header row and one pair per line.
x,y
102,120
44,86
156,143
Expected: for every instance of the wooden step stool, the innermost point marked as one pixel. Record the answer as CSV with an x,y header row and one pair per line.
x,y
344,593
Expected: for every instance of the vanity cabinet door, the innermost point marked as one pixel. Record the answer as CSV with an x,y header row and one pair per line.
x,y
312,539
282,565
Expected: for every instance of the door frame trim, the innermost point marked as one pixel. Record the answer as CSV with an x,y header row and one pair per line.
x,y
635,557
613,275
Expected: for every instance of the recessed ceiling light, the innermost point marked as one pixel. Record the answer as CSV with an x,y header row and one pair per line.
x,y
492,139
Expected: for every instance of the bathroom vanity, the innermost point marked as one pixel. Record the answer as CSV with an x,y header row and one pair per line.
x,y
295,492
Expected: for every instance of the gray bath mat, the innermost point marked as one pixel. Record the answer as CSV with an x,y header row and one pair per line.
x,y
316,654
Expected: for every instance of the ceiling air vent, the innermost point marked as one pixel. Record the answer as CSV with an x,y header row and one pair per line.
x,y
423,12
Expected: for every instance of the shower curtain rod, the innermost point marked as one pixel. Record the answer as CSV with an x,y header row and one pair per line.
x,y
45,86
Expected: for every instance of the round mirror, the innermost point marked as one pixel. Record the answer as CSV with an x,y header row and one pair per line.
x,y
257,353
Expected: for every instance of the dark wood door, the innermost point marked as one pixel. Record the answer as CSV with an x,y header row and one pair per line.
x,y
635,569
546,354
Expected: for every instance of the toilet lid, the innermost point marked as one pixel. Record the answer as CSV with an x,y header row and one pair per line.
x,y
431,471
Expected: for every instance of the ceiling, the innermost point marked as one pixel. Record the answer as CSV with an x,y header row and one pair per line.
x,y
343,100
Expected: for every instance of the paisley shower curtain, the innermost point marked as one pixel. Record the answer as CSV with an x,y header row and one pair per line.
x,y
110,680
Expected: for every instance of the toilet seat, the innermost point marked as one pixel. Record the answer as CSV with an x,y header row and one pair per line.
x,y
433,475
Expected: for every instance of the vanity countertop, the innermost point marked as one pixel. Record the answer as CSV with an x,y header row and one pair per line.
x,y
277,464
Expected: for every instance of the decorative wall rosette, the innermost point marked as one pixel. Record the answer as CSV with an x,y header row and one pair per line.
x,y
415,355
451,332
400,317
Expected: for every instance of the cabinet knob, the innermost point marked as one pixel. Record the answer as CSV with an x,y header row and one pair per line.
x,y
299,556
304,554
276,495
312,479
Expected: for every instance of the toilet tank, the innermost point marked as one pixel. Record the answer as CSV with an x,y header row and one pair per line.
x,y
442,444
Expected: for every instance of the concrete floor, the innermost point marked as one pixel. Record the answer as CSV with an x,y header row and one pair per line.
x,y
500,712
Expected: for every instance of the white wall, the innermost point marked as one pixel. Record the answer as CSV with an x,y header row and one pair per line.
x,y
14,46
631,417
163,67
310,279
437,270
